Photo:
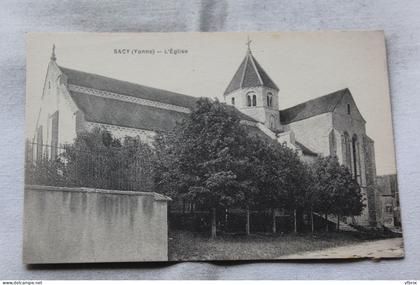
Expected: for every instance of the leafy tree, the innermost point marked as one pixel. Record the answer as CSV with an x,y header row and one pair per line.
x,y
45,171
97,159
269,172
211,160
136,165
296,183
336,190
206,159
91,160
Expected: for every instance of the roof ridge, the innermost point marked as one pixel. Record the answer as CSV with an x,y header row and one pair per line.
x,y
342,96
122,81
317,98
313,107
244,71
306,149
256,69
262,71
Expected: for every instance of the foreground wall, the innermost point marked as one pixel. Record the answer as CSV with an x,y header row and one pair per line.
x,y
63,225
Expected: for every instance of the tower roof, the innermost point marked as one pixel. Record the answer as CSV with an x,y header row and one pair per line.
x,y
250,74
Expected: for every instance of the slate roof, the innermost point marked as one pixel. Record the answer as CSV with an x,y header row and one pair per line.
x,y
127,88
305,150
317,106
120,113
250,74
126,114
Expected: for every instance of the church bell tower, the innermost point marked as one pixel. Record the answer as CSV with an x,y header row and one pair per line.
x,y
253,92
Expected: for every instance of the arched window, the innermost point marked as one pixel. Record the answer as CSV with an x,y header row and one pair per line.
x,y
58,84
346,148
233,100
333,143
39,143
54,135
356,158
254,100
248,100
269,99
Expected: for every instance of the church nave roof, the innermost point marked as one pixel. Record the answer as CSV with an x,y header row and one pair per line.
x,y
314,107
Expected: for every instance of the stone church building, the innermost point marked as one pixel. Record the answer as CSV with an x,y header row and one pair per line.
x,y
74,101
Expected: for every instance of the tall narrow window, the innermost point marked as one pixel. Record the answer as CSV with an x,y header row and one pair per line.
x,y
54,135
333,143
248,100
269,99
39,142
346,150
353,146
233,100
356,160
254,100
348,109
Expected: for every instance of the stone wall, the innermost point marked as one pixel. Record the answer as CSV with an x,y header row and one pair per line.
x,y
313,132
72,225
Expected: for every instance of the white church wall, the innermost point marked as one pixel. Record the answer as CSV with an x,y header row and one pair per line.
x,y
120,132
67,118
313,132
347,118
354,125
55,100
287,138
269,116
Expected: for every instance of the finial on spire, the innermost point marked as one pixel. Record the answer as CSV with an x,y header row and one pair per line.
x,y
248,43
53,53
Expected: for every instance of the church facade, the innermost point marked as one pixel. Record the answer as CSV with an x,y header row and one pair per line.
x,y
74,101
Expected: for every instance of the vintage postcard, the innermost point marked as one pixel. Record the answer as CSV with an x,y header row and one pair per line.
x,y
209,146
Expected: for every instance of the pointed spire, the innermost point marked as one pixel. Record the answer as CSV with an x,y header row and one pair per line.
x,y
53,58
248,43
250,74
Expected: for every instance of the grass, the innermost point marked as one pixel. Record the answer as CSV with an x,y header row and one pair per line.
x,y
184,245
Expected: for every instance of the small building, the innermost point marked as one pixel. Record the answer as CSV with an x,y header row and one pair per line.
x,y
388,203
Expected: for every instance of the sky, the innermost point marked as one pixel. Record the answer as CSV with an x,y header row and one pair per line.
x,y
304,65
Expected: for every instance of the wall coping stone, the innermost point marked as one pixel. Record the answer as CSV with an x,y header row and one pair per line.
x,y
156,196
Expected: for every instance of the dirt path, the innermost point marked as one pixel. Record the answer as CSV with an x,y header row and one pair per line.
x,y
385,248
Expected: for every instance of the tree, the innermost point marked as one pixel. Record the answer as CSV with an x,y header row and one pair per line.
x,y
136,160
269,172
97,159
206,160
210,159
297,181
337,191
